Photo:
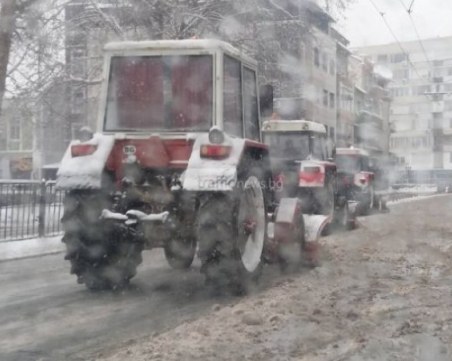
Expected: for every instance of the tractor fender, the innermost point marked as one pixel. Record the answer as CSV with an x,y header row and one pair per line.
x,y
219,175
314,225
287,215
85,171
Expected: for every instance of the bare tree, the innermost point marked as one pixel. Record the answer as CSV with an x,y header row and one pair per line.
x,y
9,12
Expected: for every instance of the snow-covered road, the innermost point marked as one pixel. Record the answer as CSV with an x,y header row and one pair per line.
x,y
382,293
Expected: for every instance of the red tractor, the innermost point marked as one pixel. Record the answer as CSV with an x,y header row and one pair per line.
x,y
356,177
304,168
179,164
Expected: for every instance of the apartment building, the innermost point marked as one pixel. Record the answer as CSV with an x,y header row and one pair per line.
x,y
421,109
371,105
309,88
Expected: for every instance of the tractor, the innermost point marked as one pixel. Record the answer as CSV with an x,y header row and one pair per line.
x,y
302,164
356,177
178,162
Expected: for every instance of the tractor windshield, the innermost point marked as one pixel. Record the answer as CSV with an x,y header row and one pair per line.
x,y
172,93
351,163
294,146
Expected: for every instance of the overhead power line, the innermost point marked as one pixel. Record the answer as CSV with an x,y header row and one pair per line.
x,y
409,12
382,14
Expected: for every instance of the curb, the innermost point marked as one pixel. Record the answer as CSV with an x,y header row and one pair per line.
x,y
50,253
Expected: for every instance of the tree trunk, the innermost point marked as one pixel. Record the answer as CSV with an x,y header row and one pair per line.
x,y
8,15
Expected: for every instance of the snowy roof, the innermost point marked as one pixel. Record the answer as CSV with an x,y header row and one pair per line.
x,y
351,151
383,72
186,44
292,126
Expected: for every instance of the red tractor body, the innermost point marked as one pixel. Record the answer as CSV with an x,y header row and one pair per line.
x,y
355,177
178,163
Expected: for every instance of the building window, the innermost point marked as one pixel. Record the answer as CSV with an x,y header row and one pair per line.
x,y
398,58
78,100
325,62
332,100
401,74
325,98
438,62
14,131
332,67
316,57
382,58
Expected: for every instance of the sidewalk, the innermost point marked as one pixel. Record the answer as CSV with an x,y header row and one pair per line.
x,y
11,250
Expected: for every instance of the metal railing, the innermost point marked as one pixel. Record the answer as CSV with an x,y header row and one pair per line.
x,y
29,209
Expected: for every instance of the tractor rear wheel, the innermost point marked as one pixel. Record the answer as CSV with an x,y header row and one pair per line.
x,y
103,254
231,231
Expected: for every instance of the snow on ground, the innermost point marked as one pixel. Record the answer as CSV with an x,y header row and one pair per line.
x,y
10,250
381,293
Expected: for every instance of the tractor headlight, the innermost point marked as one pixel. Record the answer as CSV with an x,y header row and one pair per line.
x,y
216,136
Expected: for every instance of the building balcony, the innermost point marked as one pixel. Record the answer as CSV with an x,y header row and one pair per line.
x,y
371,118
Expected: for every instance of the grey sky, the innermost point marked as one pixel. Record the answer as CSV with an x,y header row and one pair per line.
x,y
364,26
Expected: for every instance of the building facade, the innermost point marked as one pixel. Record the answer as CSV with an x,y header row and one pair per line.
x,y
421,111
16,139
371,105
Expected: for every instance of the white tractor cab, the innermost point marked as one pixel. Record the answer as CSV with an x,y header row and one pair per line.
x,y
178,163
303,167
356,177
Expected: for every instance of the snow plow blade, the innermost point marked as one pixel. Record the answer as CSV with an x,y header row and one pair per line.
x,y
314,226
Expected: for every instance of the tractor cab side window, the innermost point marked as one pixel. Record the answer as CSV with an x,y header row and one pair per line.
x,y
319,150
232,97
365,164
250,105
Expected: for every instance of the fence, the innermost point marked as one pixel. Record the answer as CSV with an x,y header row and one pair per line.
x,y
29,209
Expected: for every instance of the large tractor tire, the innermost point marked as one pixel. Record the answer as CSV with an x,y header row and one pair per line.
x,y
231,230
103,254
180,252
